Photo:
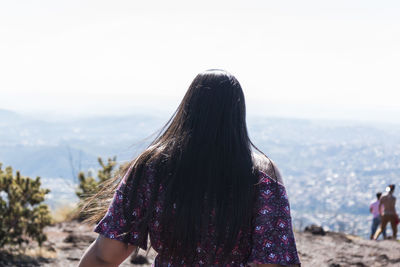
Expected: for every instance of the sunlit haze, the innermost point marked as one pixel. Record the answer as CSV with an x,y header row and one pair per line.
x,y
313,59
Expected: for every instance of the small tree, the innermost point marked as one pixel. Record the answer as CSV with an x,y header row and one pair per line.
x,y
23,215
89,185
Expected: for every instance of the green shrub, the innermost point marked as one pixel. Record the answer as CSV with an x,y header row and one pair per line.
x,y
89,185
90,202
23,215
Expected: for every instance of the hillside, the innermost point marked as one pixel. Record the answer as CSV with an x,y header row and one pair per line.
x,y
67,242
331,169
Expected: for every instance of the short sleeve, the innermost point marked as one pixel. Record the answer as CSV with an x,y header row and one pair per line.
x,y
114,224
272,237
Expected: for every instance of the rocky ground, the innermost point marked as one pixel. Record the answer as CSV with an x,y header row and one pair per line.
x,y
337,250
67,242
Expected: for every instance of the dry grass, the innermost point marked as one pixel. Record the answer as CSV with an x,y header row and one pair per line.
x,y
41,252
65,213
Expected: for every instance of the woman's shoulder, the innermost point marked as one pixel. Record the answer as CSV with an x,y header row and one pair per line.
x,y
266,168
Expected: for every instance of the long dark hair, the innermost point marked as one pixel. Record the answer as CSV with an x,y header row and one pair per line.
x,y
203,157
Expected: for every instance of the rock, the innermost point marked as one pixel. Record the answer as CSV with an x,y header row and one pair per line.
x,y
73,238
383,257
139,259
73,259
395,260
8,259
340,237
315,230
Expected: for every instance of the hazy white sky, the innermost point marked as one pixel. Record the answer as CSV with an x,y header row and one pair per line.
x,y
333,59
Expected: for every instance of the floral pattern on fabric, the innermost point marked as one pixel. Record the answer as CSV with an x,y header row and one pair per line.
x,y
113,222
271,240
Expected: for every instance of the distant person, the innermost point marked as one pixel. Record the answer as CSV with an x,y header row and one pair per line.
x,y
376,220
387,207
199,191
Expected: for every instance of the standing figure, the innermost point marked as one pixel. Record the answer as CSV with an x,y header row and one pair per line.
x,y
388,212
376,220
202,191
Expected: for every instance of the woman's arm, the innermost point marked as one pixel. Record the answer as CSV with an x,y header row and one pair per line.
x,y
273,242
106,252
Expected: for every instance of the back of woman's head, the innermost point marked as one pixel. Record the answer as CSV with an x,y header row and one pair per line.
x,y
212,111
203,160
209,122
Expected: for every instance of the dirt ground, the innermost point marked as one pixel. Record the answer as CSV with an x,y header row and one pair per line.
x,y
67,242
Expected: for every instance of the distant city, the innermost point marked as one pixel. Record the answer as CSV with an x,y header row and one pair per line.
x,y
331,169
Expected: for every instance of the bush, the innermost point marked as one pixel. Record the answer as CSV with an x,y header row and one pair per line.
x,y
23,215
89,185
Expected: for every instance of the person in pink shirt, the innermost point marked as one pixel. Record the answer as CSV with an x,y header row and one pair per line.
x,y
376,221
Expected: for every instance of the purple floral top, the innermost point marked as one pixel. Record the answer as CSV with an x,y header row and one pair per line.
x,y
270,241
